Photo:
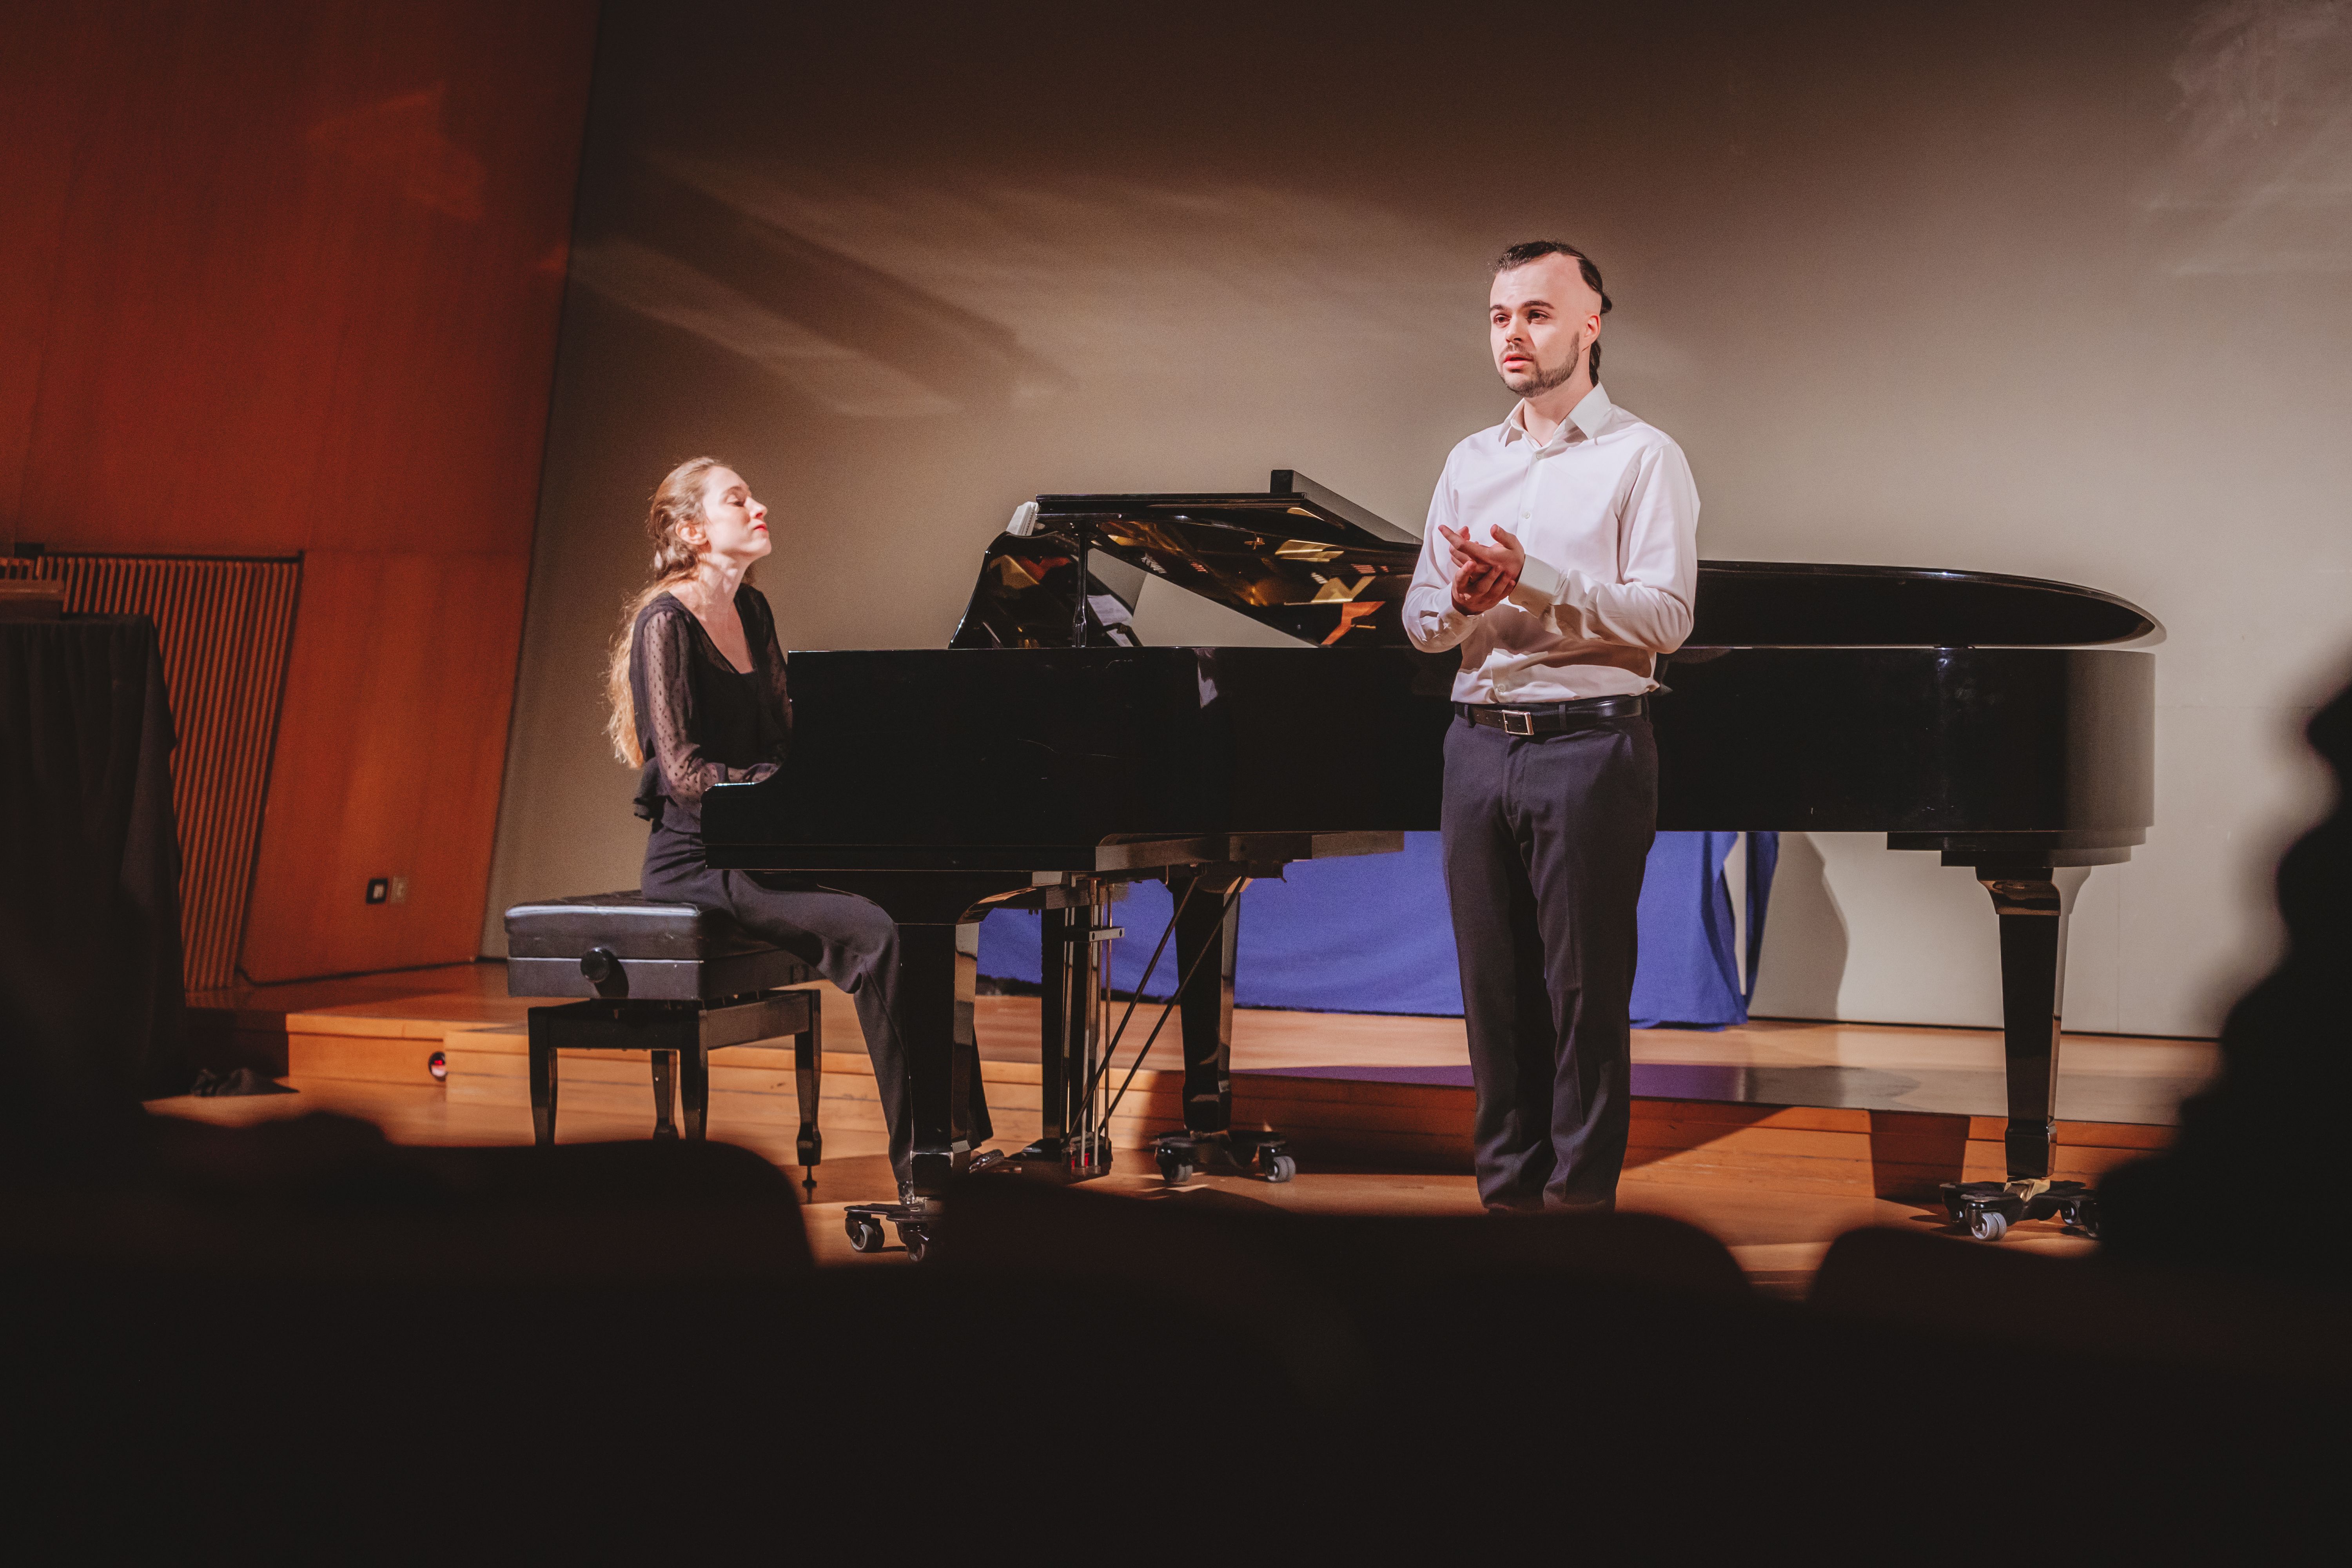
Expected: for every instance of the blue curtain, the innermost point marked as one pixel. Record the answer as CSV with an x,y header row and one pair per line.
x,y
1371,934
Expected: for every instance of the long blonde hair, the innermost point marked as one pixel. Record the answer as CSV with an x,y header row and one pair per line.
x,y
676,501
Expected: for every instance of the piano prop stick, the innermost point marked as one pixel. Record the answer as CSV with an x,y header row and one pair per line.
x,y
1065,742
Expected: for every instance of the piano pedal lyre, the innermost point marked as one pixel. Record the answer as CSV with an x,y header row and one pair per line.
x,y
1077,1030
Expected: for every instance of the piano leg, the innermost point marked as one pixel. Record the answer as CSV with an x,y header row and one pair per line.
x,y
1207,1005
1208,936
935,1030
2034,904
932,1031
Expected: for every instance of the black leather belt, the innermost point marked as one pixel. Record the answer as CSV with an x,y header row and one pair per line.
x,y
1550,718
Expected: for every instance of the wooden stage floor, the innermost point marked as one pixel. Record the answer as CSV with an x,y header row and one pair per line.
x,y
1777,1137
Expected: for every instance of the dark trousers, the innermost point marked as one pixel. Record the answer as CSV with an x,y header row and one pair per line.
x,y
1546,840
845,938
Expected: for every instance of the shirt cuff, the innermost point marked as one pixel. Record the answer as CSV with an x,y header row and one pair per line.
x,y
1539,587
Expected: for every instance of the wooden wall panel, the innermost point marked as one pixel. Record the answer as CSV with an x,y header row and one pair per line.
x,y
394,720
314,256
285,278
39,123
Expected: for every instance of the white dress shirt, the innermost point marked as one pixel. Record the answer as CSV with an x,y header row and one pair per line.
x,y
1607,514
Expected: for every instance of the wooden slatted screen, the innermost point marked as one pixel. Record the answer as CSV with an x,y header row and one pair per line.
x,y
226,627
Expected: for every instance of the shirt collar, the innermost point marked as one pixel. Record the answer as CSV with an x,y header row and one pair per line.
x,y
1589,416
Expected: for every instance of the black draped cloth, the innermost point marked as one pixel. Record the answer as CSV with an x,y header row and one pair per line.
x,y
93,1011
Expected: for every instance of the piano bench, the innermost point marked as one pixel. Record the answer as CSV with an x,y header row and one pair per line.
x,y
670,979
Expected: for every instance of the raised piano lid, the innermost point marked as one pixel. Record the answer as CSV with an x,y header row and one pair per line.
x,y
1307,565
1300,561
1293,506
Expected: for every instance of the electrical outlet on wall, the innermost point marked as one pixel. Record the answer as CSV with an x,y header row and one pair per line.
x,y
400,890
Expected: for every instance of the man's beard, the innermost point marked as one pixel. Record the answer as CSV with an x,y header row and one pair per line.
x,y
1539,382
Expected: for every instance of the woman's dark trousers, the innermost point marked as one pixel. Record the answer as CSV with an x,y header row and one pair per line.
x,y
846,939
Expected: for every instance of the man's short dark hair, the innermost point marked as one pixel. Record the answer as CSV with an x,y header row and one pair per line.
x,y
1537,249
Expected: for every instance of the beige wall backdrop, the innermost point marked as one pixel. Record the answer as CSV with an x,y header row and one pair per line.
x,y
2054,291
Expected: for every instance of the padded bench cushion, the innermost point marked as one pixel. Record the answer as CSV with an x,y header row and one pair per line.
x,y
663,953
629,924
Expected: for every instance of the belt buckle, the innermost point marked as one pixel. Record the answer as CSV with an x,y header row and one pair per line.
x,y
1517,722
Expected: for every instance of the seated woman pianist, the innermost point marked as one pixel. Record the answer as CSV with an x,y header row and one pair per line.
x,y
700,697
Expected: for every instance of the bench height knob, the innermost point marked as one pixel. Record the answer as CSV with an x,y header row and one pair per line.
x,y
602,965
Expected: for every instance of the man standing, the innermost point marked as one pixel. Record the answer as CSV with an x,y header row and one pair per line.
x,y
1561,556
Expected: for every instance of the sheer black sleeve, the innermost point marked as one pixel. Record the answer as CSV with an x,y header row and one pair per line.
x,y
660,664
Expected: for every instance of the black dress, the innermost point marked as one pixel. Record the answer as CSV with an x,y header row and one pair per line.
x,y
701,721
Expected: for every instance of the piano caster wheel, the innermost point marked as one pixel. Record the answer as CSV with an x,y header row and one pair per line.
x,y
1173,1171
1988,1225
914,1238
865,1233
1276,1168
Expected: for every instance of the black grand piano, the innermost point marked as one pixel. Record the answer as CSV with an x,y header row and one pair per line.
x,y
1200,689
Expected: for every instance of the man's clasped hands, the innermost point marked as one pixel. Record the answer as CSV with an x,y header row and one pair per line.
x,y
1484,574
